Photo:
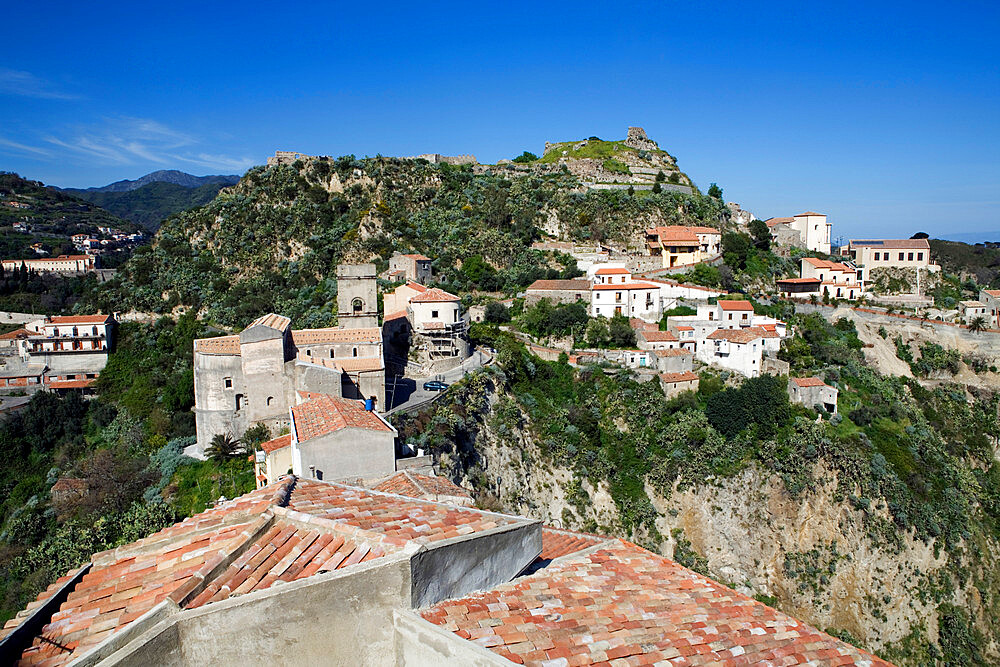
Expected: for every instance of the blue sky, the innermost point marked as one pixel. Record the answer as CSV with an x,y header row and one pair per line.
x,y
884,116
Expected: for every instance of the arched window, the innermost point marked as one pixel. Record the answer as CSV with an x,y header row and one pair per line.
x,y
270,399
357,305
355,352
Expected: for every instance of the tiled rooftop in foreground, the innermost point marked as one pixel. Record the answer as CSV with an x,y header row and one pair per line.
x,y
311,572
620,601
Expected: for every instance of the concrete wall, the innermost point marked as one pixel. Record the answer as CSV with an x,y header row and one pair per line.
x,y
60,363
349,453
420,643
456,567
339,618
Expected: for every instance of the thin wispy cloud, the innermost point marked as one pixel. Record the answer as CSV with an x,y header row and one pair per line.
x,y
14,146
26,84
128,140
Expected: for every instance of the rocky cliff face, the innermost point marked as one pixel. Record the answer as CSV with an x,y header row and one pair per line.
x,y
815,555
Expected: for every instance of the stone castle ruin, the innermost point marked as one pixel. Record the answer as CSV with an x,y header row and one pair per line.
x,y
638,140
290,157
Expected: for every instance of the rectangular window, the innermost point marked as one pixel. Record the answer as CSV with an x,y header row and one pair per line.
x,y
434,314
910,257
901,257
876,256
920,256
229,383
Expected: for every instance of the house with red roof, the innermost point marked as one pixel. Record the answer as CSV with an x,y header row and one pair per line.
x,y
679,245
990,298
812,392
820,277
337,438
871,254
740,350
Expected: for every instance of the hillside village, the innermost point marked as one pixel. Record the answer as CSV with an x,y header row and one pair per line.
x,y
450,441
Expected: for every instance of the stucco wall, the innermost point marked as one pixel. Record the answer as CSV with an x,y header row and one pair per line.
x,y
349,453
420,643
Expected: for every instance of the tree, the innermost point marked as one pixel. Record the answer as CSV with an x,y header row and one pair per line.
x,y
761,234
977,324
714,191
760,402
920,235
525,157
657,188
631,192
598,334
736,248
660,177
621,332
675,177
223,447
497,313
255,435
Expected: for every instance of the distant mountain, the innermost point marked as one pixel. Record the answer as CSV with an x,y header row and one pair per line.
x,y
163,176
152,203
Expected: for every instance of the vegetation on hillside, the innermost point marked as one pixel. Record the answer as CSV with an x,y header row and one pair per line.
x,y
271,243
126,443
979,262
909,460
149,205
53,215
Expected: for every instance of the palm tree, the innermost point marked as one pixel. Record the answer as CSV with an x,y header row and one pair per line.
x,y
977,324
223,447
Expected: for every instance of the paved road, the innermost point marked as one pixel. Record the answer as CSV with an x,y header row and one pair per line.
x,y
412,388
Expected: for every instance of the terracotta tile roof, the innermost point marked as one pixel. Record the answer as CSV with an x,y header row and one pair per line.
x,y
17,333
422,258
967,304
675,234
434,295
705,230
676,352
79,319
359,364
993,292
566,285
684,376
737,335
773,222
625,286
287,552
826,264
243,545
427,487
684,328
70,384
658,336
798,281
274,444
396,517
220,345
809,382
336,335
415,285
37,602
399,314
802,215
323,414
623,603
892,244
557,543
729,304
272,320
612,272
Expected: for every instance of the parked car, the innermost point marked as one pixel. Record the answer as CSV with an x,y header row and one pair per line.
x,y
435,385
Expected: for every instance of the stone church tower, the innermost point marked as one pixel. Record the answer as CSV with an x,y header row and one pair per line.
x,y
357,296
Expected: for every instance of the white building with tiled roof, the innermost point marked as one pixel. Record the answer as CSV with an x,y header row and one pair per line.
x,y
990,298
812,392
809,230
872,254
740,350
